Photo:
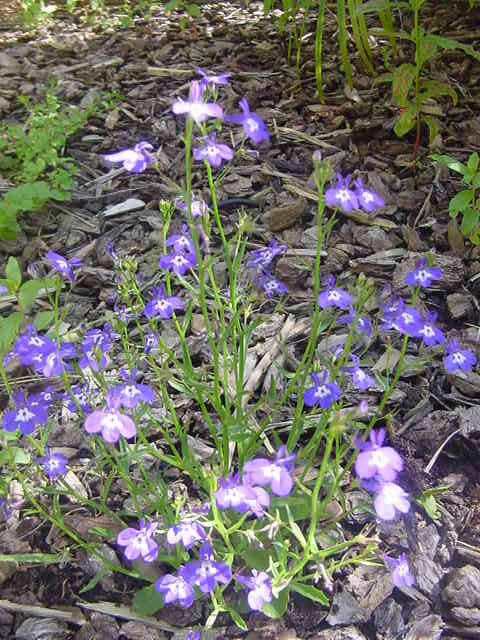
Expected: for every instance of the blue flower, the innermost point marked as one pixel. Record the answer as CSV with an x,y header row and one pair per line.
x,y
205,573
340,195
457,358
334,297
422,275
213,151
176,589
134,160
253,126
195,107
260,590
323,393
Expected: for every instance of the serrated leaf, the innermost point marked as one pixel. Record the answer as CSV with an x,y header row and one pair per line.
x,y
402,81
310,592
469,221
13,273
28,293
460,201
147,601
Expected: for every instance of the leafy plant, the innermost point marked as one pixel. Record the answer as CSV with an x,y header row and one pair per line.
x,y
190,8
31,156
35,11
467,201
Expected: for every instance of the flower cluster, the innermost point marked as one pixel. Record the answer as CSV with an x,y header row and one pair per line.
x,y
341,195
183,258
260,261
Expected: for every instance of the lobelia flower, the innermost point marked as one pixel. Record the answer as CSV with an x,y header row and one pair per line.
x,y
334,297
213,80
213,151
390,498
422,275
340,195
110,422
401,571
82,393
233,495
181,242
360,379
458,358
188,533
62,265
375,459
257,503
195,107
135,160
253,126
261,258
95,344
205,573
367,199
131,393
24,416
363,325
151,341
30,344
271,285
139,542
429,332
176,589
54,363
162,304
260,590
178,263
55,464
409,320
198,207
194,635
323,393
276,473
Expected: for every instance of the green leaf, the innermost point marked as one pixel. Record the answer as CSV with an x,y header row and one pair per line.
x,y
193,10
310,592
94,581
435,88
147,601
460,202
433,127
17,454
33,558
476,181
28,293
469,221
402,81
426,51
256,558
237,618
278,606
13,273
449,43
9,328
43,319
472,163
450,162
405,123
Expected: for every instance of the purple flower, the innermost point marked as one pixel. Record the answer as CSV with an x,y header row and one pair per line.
x,y
401,571
195,107
194,635
261,258
277,473
131,393
176,589
55,464
322,393
25,416
181,242
422,275
232,494
212,80
271,285
31,345
253,126
376,459
390,498
188,533
162,304
139,542
360,379
341,195
213,151
257,503
82,394
198,207
260,590
205,573
62,265
363,325
408,321
458,358
111,422
178,263
135,160
151,341
429,332
367,199
334,297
